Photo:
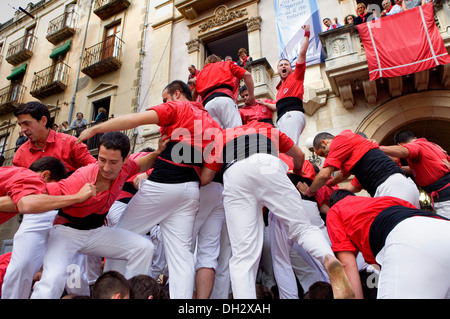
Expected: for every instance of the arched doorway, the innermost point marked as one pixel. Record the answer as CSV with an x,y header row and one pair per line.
x,y
426,114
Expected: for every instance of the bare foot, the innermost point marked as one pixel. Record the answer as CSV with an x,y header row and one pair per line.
x,y
338,279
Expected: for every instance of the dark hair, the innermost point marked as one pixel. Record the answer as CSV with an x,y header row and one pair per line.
x,y
180,86
321,136
403,137
242,89
80,113
55,166
116,141
144,286
326,19
320,290
109,284
148,149
337,195
283,60
36,109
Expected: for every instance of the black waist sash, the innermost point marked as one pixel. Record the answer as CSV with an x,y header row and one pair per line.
x,y
244,146
287,104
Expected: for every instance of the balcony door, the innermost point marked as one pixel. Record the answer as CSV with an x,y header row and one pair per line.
x,y
70,15
110,43
28,39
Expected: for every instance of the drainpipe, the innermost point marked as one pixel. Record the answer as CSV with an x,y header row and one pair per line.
x,y
72,103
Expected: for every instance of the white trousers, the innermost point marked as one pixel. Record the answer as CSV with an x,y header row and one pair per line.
x,y
222,282
173,207
250,184
292,124
64,242
415,261
29,246
225,111
443,208
208,226
400,186
310,269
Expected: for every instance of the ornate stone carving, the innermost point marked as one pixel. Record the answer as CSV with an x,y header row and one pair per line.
x,y
193,45
338,46
254,23
222,16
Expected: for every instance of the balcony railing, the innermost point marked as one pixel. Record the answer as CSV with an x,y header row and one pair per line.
x,y
107,8
10,98
20,50
50,80
61,27
103,57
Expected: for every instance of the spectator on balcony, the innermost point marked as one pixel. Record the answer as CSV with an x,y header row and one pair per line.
x,y
63,127
349,19
20,140
79,124
101,116
361,14
55,127
330,25
192,78
390,9
243,57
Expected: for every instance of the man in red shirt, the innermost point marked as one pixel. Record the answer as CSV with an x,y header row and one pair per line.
x,y
394,234
291,118
255,177
24,190
216,84
353,154
172,189
426,161
262,110
80,228
30,239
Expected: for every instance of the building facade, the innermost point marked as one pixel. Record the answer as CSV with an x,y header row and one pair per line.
x,y
120,54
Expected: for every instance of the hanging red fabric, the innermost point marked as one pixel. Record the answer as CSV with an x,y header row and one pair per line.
x,y
403,43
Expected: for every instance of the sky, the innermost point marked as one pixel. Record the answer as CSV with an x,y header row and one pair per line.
x,y
6,8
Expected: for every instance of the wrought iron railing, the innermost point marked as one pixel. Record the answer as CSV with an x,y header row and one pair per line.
x,y
11,93
111,47
23,43
66,20
58,72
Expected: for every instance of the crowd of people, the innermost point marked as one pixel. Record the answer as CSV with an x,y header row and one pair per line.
x,y
373,12
227,206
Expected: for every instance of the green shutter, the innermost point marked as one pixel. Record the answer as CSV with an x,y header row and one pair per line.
x,y
63,48
18,71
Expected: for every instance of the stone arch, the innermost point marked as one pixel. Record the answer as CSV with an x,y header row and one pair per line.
x,y
401,112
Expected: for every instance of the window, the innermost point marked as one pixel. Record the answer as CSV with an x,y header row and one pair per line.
x,y
228,44
111,42
29,35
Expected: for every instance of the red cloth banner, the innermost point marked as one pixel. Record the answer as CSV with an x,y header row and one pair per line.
x,y
403,43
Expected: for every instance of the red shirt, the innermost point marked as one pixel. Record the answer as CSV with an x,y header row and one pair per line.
x,y
17,182
99,204
186,122
307,167
346,150
255,112
130,180
214,159
349,221
218,74
59,145
425,160
323,194
293,85
4,263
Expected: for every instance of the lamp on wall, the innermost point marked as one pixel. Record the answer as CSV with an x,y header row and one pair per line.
x,y
313,158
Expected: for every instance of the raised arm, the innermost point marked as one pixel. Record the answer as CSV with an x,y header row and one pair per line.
x,y
304,46
395,151
120,123
146,162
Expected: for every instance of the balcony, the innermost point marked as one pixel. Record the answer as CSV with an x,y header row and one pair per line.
x,y
20,50
103,57
50,80
107,8
348,73
10,98
61,28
